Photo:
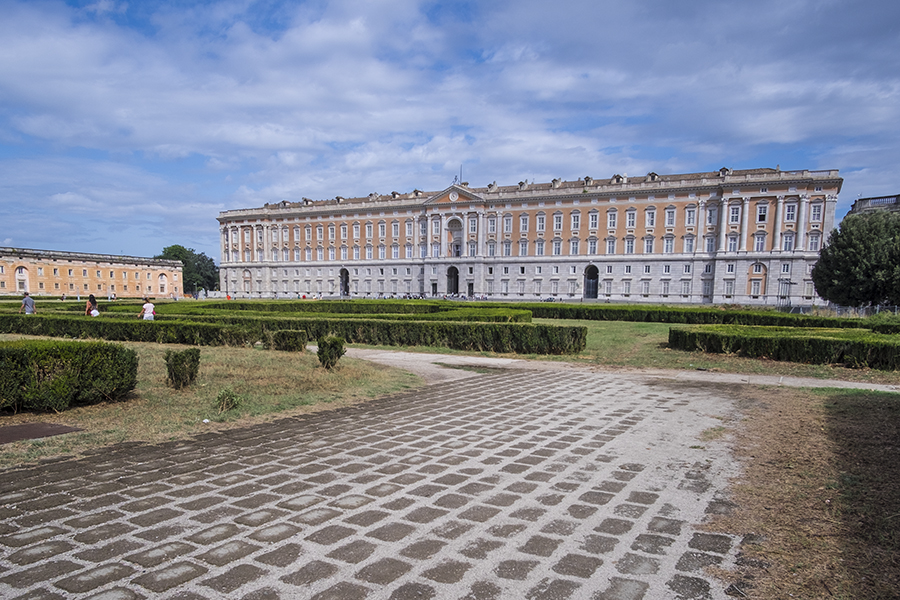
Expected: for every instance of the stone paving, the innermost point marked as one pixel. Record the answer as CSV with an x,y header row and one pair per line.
x,y
518,484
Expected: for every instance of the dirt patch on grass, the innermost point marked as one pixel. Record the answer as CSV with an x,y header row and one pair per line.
x,y
819,499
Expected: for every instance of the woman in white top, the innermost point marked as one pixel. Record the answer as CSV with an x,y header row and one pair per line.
x,y
147,310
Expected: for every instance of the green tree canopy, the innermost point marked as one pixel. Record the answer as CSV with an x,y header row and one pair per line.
x,y
860,266
200,271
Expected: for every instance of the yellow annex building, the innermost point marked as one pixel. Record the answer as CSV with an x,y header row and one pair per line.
x,y
52,273
728,236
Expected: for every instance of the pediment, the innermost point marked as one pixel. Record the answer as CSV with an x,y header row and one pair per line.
x,y
454,195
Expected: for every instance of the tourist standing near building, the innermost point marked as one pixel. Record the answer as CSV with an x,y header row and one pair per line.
x,y
147,310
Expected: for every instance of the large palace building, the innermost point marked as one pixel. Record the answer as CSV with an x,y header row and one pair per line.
x,y
747,237
78,274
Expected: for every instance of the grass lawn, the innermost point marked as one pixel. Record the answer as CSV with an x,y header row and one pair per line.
x,y
270,384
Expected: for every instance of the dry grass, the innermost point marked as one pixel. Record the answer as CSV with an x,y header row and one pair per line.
x,y
269,384
820,494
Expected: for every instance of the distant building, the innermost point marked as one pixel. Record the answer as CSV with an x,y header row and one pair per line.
x,y
748,237
52,273
869,205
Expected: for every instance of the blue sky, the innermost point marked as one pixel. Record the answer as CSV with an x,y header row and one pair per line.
x,y
126,127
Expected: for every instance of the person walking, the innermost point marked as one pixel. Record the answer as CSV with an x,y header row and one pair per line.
x,y
91,307
28,305
147,310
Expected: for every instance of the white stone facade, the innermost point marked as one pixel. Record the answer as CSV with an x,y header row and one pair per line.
x,y
741,237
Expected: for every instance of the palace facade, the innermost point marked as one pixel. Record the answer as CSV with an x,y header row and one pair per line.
x,y
729,236
52,273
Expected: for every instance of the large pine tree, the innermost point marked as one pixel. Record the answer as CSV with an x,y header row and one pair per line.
x,y
200,271
860,265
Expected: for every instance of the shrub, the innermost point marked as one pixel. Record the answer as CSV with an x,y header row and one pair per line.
x,y
182,367
228,400
53,376
331,348
287,340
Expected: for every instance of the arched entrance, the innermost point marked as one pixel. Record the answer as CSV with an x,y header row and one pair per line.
x,y
452,280
591,281
345,282
455,237
22,280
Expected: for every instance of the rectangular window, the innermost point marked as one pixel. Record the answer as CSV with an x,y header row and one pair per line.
x,y
395,251
690,217
473,225
592,246
667,269
630,219
409,228
523,248
788,245
320,232
576,222
610,246
626,288
382,230
573,247
814,243
507,248
646,269
611,220
760,244
761,213
689,245
629,246
790,213
669,245
729,268
710,244
687,269
712,214
491,249
593,220
557,222
539,248
523,224
381,252
436,227
732,244
331,232
648,246
557,248
815,213
670,217
492,225
665,288
369,230
507,224
540,223
395,229
685,288
609,269
755,287
645,288
729,289
650,218
734,214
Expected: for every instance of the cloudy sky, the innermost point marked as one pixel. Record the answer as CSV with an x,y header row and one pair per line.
x,y
127,126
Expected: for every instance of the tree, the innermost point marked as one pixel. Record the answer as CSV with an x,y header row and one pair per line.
x,y
860,266
200,271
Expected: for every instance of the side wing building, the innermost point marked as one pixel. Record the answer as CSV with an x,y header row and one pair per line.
x,y
729,236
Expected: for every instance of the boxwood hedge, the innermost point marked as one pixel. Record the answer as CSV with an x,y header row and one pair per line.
x,y
54,375
854,348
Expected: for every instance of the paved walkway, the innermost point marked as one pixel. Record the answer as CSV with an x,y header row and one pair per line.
x,y
523,483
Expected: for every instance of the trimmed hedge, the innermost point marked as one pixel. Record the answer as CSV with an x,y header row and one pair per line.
x,y
130,330
286,340
53,376
330,350
182,367
483,315
855,348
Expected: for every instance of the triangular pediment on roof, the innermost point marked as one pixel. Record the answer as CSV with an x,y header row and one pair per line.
x,y
454,194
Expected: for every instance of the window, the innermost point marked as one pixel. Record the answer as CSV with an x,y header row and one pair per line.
x,y
540,223
320,232
369,230
523,248
381,252
593,220
473,248
539,248
331,253
689,245
573,247
667,269
648,246
759,244
409,228
757,268
790,213
761,210
712,214
369,251
331,230
685,288
473,225
687,269
320,253
343,232
507,224
707,269
610,246
436,226
395,251
382,229
492,225
645,288
609,269
523,223
630,219
576,221
788,245
592,246
557,222
646,269
669,245
610,220
650,218
734,214
814,242
395,229
786,268
732,243
626,288
84,273
729,288
755,286
629,246
557,247
710,244
729,268
491,249
507,248
690,217
670,217
815,213
665,288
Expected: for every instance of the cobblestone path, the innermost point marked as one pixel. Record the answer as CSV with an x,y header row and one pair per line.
x,y
521,485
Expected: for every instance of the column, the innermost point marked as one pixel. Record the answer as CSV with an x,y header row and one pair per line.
x,y
802,222
723,224
443,237
482,227
745,223
776,232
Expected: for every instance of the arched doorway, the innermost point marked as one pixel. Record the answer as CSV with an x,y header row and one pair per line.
x,y
345,282
591,281
452,280
455,237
